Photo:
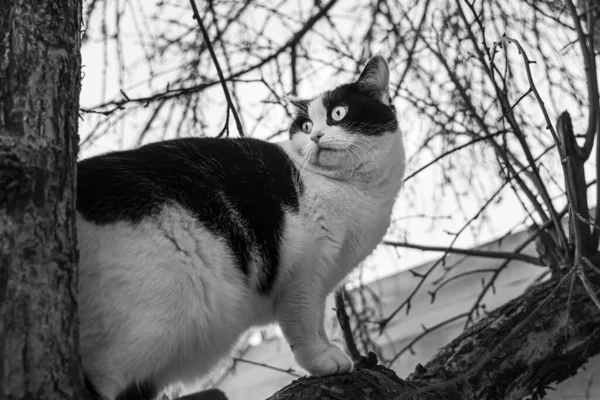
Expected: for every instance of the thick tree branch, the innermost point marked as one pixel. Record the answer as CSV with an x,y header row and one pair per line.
x,y
490,360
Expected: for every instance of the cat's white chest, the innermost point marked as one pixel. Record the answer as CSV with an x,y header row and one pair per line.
x,y
347,225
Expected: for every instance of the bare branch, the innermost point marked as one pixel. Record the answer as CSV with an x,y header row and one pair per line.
x,y
344,321
230,105
289,371
470,252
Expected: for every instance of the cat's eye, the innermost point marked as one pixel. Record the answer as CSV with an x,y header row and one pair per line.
x,y
338,113
307,126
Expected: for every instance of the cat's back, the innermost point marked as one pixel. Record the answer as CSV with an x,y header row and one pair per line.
x,y
196,173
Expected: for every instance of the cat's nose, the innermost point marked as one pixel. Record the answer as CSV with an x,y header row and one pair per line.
x,y
315,137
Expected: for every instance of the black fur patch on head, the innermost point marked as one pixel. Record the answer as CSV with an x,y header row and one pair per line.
x,y
366,115
138,391
239,189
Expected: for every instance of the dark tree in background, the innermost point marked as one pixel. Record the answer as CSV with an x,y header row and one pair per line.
x,y
40,73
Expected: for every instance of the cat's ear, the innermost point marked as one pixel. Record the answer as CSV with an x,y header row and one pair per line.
x,y
375,80
300,106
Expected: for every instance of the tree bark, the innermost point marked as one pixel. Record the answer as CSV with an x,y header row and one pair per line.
x,y
40,72
549,349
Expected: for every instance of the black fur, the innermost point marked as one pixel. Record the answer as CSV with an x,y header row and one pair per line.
x,y
139,391
215,179
366,115
94,395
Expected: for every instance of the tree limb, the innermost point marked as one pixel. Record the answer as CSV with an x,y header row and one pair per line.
x,y
545,348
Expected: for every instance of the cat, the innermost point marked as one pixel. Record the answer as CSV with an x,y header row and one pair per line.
x,y
187,243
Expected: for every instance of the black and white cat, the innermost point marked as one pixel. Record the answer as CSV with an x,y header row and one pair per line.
x,y
187,243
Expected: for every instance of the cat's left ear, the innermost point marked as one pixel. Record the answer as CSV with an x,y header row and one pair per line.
x,y
300,106
375,80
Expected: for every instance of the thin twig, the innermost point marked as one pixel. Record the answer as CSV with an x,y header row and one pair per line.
x,y
504,265
434,292
407,302
289,371
586,283
592,266
590,69
587,221
426,331
411,52
230,105
514,105
344,321
569,305
447,153
504,255
171,93
532,86
537,181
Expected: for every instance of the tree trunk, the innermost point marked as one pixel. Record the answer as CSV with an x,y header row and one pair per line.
x,y
549,349
40,72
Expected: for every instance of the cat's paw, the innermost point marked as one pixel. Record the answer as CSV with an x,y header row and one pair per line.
x,y
330,361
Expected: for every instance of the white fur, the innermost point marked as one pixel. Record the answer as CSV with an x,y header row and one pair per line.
x,y
163,298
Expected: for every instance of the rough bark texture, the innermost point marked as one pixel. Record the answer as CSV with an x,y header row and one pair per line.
x,y
368,383
548,350
40,70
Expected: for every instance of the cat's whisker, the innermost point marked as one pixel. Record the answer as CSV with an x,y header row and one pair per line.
x,y
347,145
372,145
306,159
362,161
363,149
369,153
368,170
347,150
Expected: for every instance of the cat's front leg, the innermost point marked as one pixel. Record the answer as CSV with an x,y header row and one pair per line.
x,y
321,327
300,313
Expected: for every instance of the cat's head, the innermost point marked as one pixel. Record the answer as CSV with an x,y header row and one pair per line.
x,y
351,124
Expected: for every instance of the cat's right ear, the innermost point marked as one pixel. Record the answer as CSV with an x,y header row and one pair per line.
x,y
300,106
375,79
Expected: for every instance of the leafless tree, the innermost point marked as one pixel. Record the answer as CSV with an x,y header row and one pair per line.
x,y
488,82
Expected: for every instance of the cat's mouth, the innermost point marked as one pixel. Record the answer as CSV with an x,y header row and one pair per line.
x,y
321,154
321,151
328,147
326,150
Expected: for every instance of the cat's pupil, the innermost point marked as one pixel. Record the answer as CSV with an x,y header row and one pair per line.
x,y
307,126
338,113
